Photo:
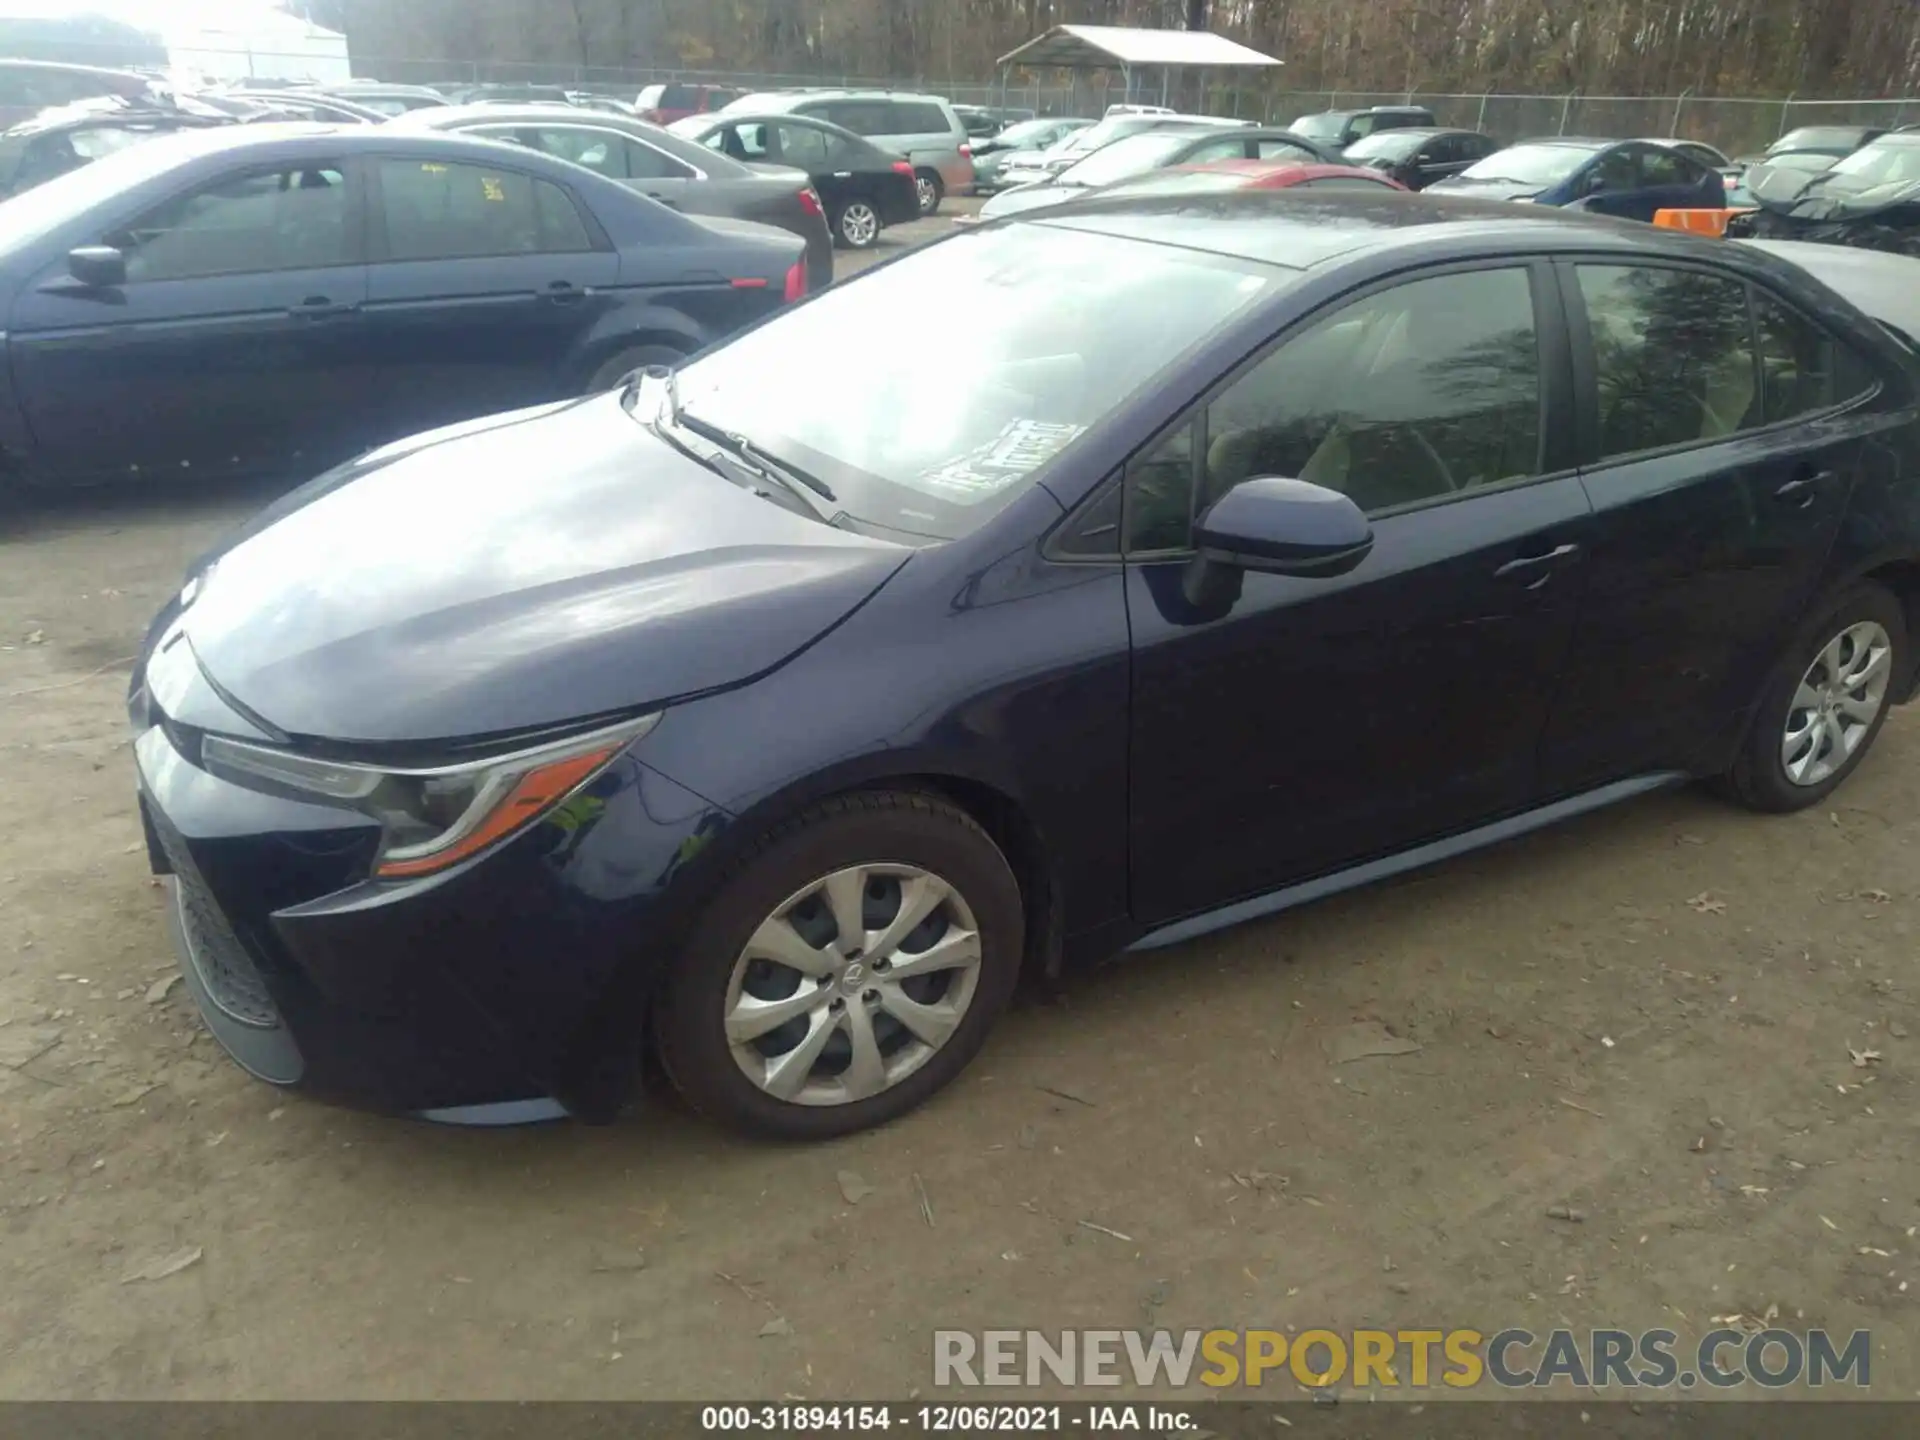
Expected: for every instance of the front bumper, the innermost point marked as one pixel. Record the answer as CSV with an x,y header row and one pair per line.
x,y
507,989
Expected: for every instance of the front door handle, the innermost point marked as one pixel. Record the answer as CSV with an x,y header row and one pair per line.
x,y
319,307
655,195
1537,570
565,292
1803,490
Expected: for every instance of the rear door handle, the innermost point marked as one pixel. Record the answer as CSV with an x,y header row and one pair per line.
x,y
319,307
1802,490
1536,569
565,292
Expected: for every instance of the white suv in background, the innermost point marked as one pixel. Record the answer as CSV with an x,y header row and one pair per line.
x,y
923,128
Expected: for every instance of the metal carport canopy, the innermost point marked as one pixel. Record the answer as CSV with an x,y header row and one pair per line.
x,y
1121,47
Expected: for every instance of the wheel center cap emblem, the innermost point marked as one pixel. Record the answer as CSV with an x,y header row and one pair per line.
x,y
853,976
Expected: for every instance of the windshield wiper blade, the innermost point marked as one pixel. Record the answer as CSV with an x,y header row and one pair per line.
x,y
777,470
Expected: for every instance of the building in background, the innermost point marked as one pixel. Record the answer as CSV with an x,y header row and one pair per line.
x,y
212,39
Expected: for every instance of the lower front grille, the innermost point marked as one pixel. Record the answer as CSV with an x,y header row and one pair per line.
x,y
216,953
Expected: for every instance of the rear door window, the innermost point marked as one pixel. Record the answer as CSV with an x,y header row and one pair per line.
x,y
803,147
917,117
437,211
1283,150
862,117
1673,356
1803,370
1662,167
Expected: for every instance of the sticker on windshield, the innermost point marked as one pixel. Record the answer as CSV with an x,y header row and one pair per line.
x,y
1021,447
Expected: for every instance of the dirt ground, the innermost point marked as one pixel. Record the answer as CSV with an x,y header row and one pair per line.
x,y
1695,1026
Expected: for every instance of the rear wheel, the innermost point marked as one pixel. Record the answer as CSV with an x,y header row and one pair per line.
x,y
856,225
627,361
1824,704
850,968
928,187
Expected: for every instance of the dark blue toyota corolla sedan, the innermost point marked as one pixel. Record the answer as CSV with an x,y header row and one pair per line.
x,y
1226,552
272,300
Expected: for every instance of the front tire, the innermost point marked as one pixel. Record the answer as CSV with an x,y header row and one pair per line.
x,y
928,186
1824,704
856,225
851,967
637,357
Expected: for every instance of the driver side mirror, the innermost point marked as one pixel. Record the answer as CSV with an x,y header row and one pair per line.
x,y
98,267
1284,527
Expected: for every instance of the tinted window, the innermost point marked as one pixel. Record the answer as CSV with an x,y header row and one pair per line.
x,y
1229,148
1616,171
1281,150
1160,481
447,212
646,163
803,147
280,220
1663,167
1673,356
917,117
1384,147
1095,530
863,117
1413,393
1802,368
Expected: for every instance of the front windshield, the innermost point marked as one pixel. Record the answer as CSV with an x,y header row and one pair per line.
x,y
45,208
1040,332
1328,127
1881,164
1025,133
1126,158
1530,164
1386,145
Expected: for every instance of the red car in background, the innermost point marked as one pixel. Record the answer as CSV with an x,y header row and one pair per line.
x,y
1224,175
664,104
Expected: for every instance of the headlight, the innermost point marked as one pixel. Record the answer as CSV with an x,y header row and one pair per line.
x,y
433,818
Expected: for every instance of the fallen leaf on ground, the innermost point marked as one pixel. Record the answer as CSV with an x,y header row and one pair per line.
x,y
613,1261
778,1325
137,1093
1365,1038
36,637
159,1267
1705,904
1878,897
159,989
853,1187
1862,1058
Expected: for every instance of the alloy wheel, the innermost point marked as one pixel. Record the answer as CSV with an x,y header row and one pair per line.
x,y
852,984
923,187
859,225
1836,703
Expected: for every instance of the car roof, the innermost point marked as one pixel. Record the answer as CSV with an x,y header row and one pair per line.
x,y
1265,169
1297,232
1572,142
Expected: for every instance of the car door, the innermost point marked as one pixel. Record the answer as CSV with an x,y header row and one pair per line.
x,y
1306,724
237,344
1718,478
1667,181
1442,157
1610,185
485,280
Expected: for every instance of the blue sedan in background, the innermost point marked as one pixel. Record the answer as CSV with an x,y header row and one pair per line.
x,y
1628,179
272,300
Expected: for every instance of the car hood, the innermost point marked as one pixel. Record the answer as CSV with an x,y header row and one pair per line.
x,y
1030,197
1823,195
1486,189
516,574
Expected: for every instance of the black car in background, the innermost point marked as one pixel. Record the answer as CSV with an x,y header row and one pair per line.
x,y
864,188
72,136
1417,156
275,299
664,167
1834,140
29,86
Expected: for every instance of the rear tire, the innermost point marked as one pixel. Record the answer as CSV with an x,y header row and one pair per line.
x,y
856,225
627,361
1824,704
928,186
888,850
